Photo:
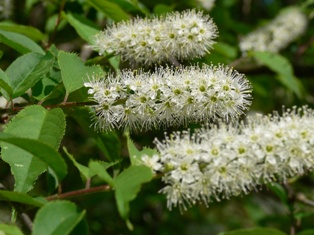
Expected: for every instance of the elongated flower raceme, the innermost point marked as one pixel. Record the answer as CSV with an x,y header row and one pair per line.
x,y
142,100
206,4
219,162
279,33
151,40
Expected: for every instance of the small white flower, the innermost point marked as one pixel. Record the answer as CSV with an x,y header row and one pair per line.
x,y
169,97
146,41
222,160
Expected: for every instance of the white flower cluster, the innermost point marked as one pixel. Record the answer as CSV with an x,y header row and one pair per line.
x,y
146,41
142,100
206,4
284,29
222,161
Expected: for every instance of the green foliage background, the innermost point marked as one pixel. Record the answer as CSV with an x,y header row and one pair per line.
x,y
44,47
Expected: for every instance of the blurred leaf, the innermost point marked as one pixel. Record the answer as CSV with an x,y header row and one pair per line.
x,y
283,68
27,70
100,170
18,197
8,229
225,50
279,191
110,9
132,5
254,231
44,129
128,184
85,28
57,217
74,72
135,154
6,89
160,9
27,31
306,232
20,42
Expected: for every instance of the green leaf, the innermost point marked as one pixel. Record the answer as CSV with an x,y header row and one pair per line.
x,y
44,130
160,9
279,191
128,184
74,72
6,89
27,70
96,168
85,28
110,9
225,50
135,154
51,80
18,197
27,31
132,5
306,232
254,231
283,68
8,229
42,151
84,171
20,42
57,217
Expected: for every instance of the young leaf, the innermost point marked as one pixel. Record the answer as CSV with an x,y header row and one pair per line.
x,y
128,184
283,68
57,217
135,154
27,70
27,31
6,89
19,42
84,171
82,26
10,229
254,231
38,126
10,196
74,72
96,168
110,9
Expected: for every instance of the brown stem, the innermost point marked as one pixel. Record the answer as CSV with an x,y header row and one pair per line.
x,y
79,192
61,105
300,197
53,35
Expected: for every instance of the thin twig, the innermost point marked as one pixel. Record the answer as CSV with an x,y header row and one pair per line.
x,y
53,35
61,105
27,221
300,197
79,192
